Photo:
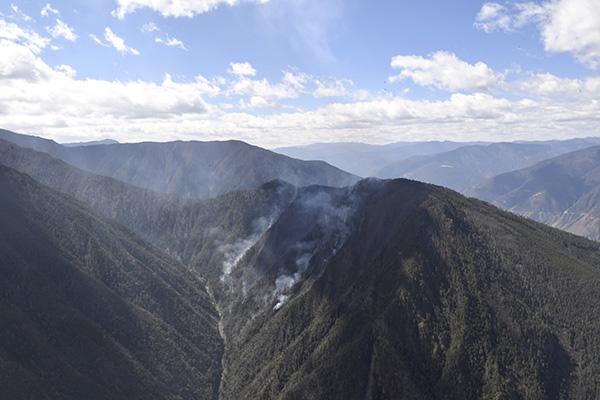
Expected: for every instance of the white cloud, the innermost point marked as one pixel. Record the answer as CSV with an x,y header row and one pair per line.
x,y
241,69
444,70
67,70
493,16
497,17
24,36
566,26
256,102
332,88
294,79
20,13
60,29
171,42
551,86
98,40
176,8
573,26
32,89
53,101
291,86
48,9
117,42
262,88
150,27
18,61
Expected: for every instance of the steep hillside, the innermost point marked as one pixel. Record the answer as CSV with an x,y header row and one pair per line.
x,y
90,311
466,167
562,192
189,169
398,290
394,290
31,142
390,289
137,208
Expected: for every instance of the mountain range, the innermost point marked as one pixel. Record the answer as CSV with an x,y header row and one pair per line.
x,y
456,165
367,160
464,168
189,169
91,143
563,192
378,290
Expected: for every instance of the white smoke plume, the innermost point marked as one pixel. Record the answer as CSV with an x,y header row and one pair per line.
x,y
281,300
233,253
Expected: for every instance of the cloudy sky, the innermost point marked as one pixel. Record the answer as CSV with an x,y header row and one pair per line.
x,y
283,72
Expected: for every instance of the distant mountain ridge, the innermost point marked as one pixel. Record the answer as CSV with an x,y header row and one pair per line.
x,y
563,192
134,207
92,143
189,169
367,160
466,167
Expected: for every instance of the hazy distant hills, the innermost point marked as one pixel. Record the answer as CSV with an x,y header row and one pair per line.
x,y
135,207
464,168
456,165
92,143
365,159
563,192
190,169
90,311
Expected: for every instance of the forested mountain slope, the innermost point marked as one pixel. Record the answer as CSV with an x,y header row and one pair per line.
x,y
388,289
90,311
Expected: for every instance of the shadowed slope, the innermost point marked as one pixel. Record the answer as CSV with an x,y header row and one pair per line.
x,y
90,311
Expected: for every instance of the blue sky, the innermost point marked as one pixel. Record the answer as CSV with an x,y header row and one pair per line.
x,y
279,72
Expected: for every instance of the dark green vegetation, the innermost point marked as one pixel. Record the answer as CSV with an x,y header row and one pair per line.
x,y
190,169
382,290
139,209
563,192
406,291
89,311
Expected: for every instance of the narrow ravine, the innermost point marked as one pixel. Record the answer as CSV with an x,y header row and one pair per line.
x,y
221,330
